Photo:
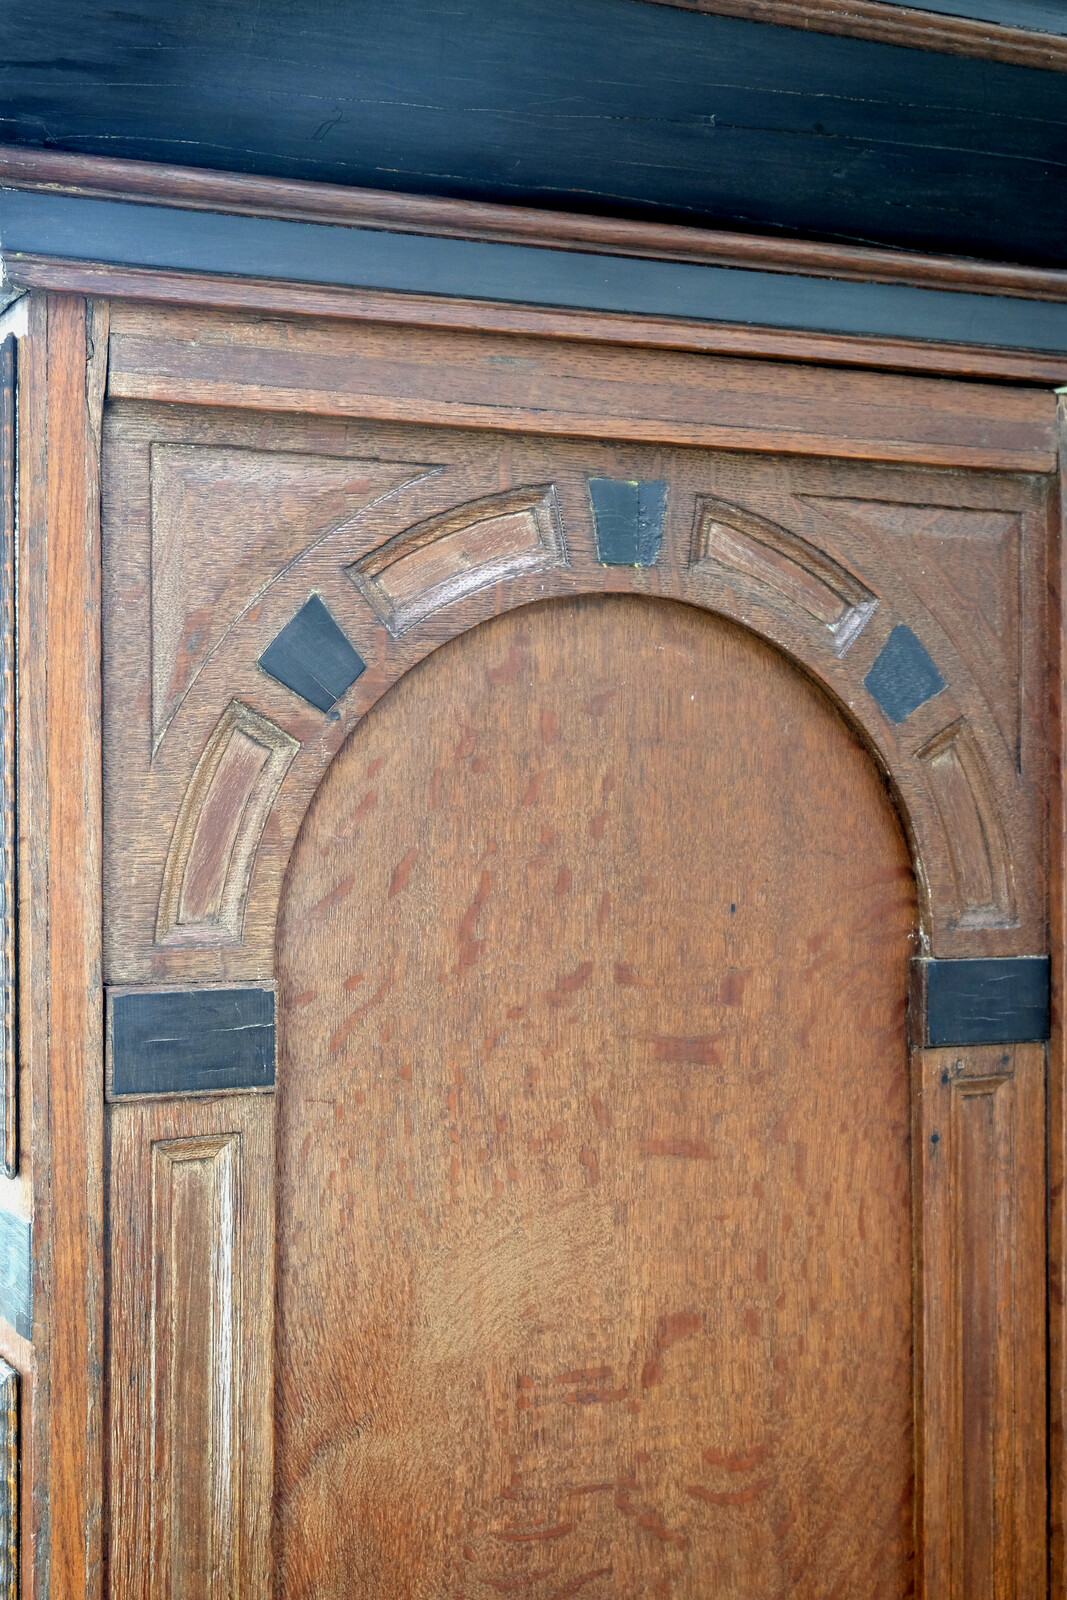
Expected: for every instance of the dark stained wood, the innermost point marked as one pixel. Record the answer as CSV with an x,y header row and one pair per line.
x,y
899,24
594,1237
189,1041
992,1001
266,294
61,171
520,383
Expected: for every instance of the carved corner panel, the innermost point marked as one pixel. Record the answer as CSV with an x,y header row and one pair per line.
x,y
914,596
267,579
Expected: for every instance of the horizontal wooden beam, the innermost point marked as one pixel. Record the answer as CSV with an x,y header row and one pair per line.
x,y
295,200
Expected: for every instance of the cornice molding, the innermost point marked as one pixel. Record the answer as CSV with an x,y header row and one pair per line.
x,y
907,26
190,188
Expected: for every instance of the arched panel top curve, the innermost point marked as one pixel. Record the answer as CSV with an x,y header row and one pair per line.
x,y
364,554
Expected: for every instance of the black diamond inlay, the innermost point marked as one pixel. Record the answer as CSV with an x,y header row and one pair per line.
x,y
903,676
312,657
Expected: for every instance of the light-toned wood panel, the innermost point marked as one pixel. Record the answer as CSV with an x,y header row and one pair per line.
x,y
980,1212
594,1226
191,1312
507,381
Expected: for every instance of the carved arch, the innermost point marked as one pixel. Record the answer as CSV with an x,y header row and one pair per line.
x,y
893,671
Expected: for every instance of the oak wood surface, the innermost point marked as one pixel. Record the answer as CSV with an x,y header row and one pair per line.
x,y
75,1031
272,295
509,381
190,1265
150,182
594,1236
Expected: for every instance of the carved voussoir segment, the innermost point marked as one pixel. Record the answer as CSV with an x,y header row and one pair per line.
x,y
977,842
205,881
799,577
189,1041
443,560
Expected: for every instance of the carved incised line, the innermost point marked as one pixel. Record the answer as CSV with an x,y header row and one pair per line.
x,y
443,560
794,573
205,881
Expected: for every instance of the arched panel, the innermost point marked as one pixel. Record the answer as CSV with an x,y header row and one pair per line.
x,y
594,1230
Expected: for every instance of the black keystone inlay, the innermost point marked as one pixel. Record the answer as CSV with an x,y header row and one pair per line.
x,y
903,676
312,657
984,1000
629,520
16,1272
191,1041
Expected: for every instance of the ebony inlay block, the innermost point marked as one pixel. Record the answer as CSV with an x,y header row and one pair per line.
x,y
903,676
189,1041
983,1000
629,520
9,1482
313,657
16,1272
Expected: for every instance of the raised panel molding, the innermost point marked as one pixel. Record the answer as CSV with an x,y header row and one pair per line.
x,y
795,573
449,557
980,1137
10,1520
205,881
974,832
191,1274
196,1301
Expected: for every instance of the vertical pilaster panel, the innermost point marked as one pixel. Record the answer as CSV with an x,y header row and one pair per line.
x,y
980,1189
191,1295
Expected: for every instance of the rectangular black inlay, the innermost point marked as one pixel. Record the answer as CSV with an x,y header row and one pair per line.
x,y
629,520
313,657
16,1272
190,1041
987,1000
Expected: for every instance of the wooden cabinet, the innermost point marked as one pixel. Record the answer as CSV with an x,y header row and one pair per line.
x,y
538,869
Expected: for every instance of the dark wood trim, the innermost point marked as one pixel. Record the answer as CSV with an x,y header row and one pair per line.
x,y
902,25
611,328
296,200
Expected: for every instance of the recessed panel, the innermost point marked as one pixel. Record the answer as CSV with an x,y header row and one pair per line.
x,y
594,1251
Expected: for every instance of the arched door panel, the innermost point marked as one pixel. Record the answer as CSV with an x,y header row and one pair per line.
x,y
594,1228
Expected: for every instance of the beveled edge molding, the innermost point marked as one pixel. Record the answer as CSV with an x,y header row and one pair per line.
x,y
219,826
446,567
299,200
751,548
8,820
9,1482
649,330
977,842
909,26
